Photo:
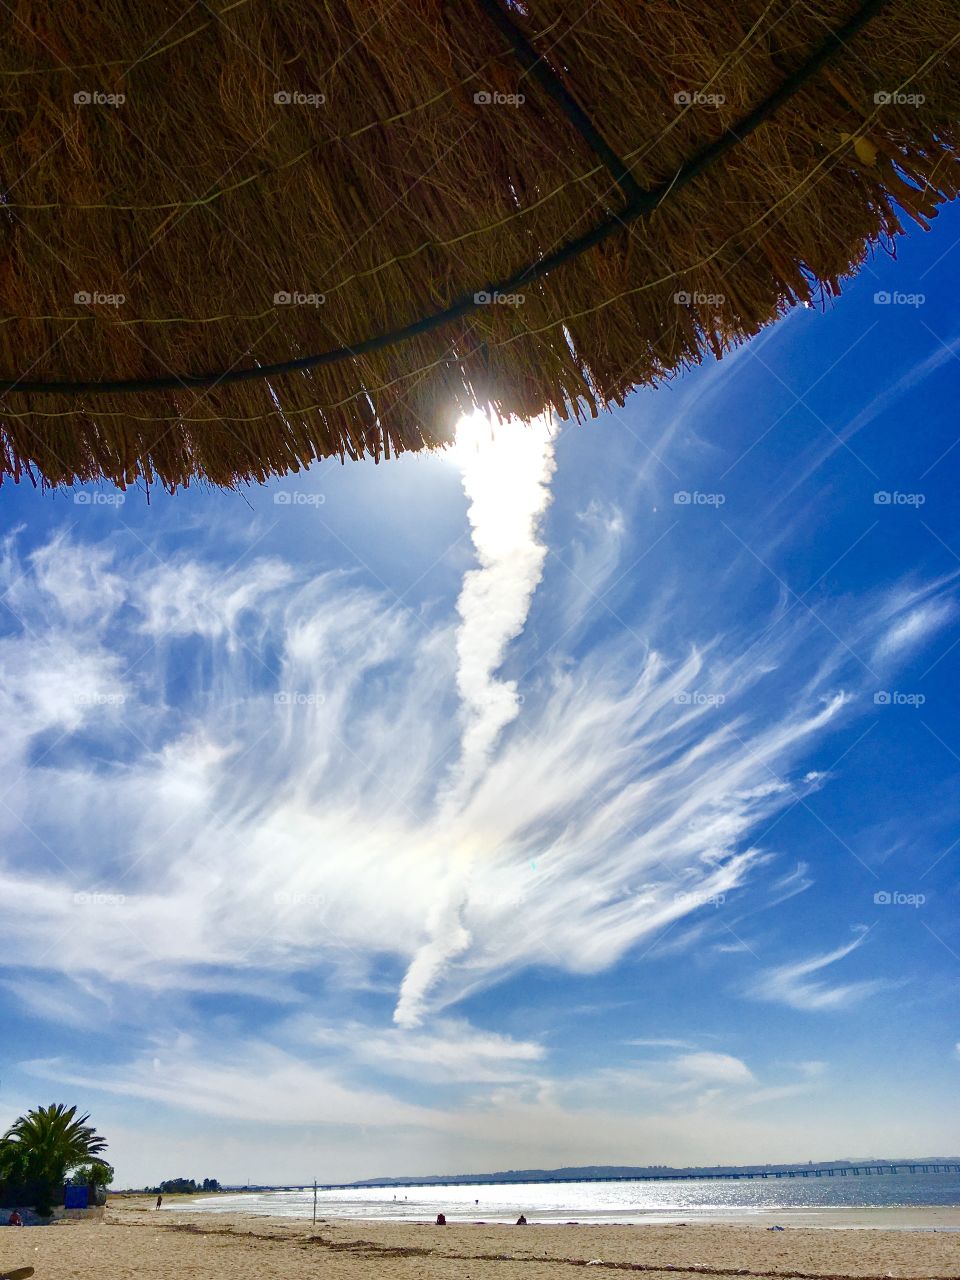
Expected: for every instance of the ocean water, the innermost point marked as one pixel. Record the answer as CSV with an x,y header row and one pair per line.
x,y
597,1202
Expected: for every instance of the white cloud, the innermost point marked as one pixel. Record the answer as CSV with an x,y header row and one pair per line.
x,y
714,1068
506,477
348,1127
912,629
450,1051
788,886
792,984
252,1079
268,794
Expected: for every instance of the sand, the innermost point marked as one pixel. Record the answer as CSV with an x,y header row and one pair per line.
x,y
173,1245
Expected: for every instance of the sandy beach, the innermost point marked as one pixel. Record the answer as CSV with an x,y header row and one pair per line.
x,y
135,1241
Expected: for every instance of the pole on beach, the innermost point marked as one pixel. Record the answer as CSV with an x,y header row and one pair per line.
x,y
314,1202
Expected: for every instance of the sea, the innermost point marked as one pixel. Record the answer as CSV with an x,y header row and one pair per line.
x,y
705,1199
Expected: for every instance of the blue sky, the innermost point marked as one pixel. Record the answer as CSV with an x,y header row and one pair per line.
x,y
517,808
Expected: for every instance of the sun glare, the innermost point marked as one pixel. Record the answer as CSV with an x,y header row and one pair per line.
x,y
480,437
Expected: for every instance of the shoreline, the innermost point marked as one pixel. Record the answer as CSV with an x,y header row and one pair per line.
x,y
901,1218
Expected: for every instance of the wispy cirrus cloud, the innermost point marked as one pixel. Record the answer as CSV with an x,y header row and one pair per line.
x,y
240,772
251,779
450,1051
795,985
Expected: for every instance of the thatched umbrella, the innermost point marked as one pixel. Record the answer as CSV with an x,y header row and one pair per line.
x,y
261,234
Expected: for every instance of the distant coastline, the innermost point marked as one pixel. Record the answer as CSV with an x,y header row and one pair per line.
x,y
601,1171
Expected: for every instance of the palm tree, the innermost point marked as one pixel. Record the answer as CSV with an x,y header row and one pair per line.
x,y
42,1146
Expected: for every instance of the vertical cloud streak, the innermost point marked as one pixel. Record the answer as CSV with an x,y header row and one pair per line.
x,y
507,480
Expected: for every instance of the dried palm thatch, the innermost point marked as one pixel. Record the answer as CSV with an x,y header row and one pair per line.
x,y
334,186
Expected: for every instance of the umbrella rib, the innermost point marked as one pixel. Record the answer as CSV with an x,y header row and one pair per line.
x,y
640,204
538,66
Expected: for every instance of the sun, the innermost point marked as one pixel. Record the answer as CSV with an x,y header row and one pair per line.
x,y
481,440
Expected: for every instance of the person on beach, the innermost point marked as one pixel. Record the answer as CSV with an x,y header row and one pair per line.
x,y
15,1220
522,1221
159,1200
441,1219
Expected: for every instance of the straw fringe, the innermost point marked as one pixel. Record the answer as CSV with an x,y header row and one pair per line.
x,y
392,220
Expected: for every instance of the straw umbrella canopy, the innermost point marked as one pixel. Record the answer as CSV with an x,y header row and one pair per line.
x,y
256,235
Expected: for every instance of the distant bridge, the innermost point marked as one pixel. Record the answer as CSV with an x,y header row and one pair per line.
x,y
799,1171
